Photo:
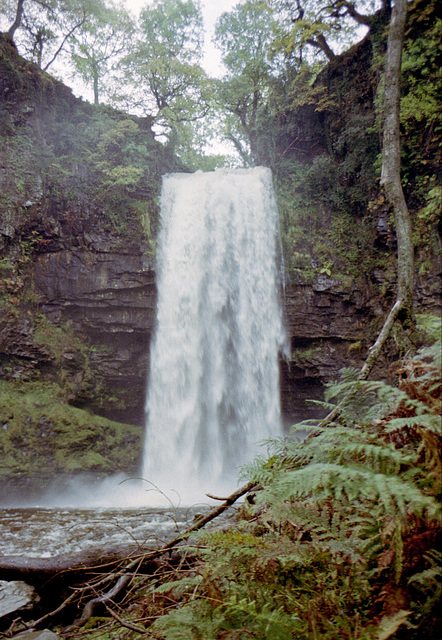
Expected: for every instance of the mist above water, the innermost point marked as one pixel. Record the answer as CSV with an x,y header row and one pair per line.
x,y
214,379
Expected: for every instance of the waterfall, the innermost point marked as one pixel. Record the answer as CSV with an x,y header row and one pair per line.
x,y
213,391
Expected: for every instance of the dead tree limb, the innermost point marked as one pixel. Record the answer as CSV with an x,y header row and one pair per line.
x,y
124,623
203,520
64,604
103,599
376,348
65,568
373,354
172,544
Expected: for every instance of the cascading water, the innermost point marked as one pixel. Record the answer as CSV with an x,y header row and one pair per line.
x,y
214,381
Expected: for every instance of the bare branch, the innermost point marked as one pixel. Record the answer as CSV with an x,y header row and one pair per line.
x,y
349,10
140,559
63,42
124,623
321,43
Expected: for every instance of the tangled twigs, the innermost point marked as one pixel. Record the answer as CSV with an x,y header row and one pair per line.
x,y
51,614
137,561
109,595
124,623
18,624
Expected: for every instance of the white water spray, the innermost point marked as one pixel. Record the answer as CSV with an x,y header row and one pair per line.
x,y
214,381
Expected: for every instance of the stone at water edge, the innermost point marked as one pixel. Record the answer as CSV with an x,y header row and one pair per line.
x,y
15,596
45,634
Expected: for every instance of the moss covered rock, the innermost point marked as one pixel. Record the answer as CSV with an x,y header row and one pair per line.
x,y
42,436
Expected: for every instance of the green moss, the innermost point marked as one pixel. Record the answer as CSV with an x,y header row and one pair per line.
x,y
322,229
57,339
41,435
302,355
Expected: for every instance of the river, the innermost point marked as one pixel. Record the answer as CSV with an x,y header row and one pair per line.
x,y
45,532
76,514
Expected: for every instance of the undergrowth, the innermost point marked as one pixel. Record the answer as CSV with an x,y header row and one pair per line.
x,y
341,540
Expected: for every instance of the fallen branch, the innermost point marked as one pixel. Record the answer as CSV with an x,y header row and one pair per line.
x,y
375,349
140,560
109,595
63,568
124,623
203,520
36,623
373,354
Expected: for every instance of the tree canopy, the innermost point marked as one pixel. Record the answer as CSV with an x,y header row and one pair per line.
x,y
99,46
324,27
288,97
245,36
162,68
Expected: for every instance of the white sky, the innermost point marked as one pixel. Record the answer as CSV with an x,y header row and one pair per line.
x,y
212,9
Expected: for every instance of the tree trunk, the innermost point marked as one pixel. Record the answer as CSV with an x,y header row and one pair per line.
x,y
18,16
391,163
65,568
96,96
391,181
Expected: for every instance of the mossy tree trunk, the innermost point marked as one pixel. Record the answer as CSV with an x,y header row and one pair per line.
x,y
391,163
391,182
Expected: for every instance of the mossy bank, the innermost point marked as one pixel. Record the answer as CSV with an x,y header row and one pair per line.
x,y
42,438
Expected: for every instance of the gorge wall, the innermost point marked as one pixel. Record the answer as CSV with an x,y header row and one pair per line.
x,y
104,287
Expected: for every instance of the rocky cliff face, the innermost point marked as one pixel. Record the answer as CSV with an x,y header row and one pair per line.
x,y
326,324
106,290
103,286
62,256
74,245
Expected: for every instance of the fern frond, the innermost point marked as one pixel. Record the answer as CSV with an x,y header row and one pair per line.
x,y
428,578
427,420
180,587
385,458
333,481
432,577
428,584
261,620
364,401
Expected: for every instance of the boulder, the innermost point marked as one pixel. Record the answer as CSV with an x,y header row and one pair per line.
x,y
44,634
16,596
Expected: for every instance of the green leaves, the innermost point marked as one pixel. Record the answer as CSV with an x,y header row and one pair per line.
x,y
162,76
98,48
244,36
163,67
